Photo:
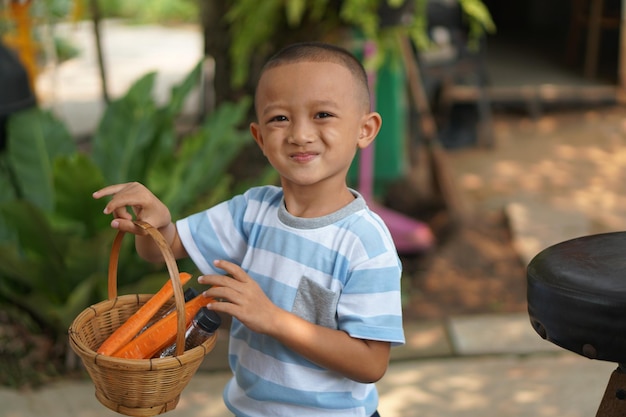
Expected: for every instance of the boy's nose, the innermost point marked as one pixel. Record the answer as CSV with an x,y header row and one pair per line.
x,y
301,133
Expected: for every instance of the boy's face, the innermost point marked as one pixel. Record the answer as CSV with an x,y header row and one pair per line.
x,y
311,120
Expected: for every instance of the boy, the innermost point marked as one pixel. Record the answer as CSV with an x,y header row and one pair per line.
x,y
314,285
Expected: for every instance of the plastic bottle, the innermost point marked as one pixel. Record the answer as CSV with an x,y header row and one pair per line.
x,y
190,293
203,325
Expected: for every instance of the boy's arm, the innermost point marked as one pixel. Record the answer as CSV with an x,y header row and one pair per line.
x,y
148,249
360,360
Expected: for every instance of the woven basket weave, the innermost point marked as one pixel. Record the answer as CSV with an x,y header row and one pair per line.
x,y
135,387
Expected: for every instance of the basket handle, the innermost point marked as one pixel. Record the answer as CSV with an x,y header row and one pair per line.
x,y
172,269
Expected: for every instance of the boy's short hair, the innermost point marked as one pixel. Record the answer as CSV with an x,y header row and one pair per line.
x,y
322,52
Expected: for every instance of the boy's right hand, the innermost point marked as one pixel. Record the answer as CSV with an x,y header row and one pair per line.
x,y
145,206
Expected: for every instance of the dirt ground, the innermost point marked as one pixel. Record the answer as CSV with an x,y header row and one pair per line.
x,y
476,270
473,268
567,158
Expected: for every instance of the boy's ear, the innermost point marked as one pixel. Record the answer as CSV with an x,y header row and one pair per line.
x,y
369,129
255,131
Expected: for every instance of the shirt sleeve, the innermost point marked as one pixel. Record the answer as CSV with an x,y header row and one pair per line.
x,y
216,233
370,305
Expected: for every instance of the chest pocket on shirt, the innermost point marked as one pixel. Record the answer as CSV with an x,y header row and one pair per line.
x,y
316,304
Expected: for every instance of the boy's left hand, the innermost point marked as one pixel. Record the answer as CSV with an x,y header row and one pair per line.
x,y
240,296
244,299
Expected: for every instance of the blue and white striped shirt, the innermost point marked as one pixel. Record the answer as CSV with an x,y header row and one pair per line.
x,y
340,271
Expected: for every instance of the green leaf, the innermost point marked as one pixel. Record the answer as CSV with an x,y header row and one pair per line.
x,y
76,177
80,297
55,295
7,193
87,256
363,14
161,154
37,244
478,14
148,284
247,34
295,9
220,191
181,91
16,272
36,138
318,8
204,157
33,230
125,133
7,189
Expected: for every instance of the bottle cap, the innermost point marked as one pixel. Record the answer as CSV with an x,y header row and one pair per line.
x,y
209,320
191,293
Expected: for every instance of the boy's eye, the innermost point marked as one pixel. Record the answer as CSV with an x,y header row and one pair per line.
x,y
322,115
279,118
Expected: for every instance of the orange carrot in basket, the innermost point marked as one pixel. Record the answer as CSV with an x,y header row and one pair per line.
x,y
162,333
138,320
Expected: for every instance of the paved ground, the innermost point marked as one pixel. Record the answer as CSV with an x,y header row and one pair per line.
x,y
471,366
560,176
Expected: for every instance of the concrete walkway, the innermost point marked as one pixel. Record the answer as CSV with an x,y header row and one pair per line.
x,y
542,386
478,366
487,366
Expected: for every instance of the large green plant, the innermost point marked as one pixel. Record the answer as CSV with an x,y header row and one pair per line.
x,y
54,239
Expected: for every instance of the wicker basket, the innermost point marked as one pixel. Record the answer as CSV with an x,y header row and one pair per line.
x,y
135,387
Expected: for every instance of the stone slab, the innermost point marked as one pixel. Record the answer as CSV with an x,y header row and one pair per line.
x,y
536,225
496,334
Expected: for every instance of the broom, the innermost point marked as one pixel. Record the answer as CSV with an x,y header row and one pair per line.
x,y
443,183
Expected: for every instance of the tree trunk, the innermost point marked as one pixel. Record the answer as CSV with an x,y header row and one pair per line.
x,y
96,18
216,45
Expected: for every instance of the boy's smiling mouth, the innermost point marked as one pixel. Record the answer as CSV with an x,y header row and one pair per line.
x,y
303,156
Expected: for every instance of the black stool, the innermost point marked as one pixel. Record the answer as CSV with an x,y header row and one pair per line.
x,y
577,300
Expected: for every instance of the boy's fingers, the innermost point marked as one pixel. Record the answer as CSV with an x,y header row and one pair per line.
x,y
109,190
212,280
122,199
127,226
122,213
117,205
231,268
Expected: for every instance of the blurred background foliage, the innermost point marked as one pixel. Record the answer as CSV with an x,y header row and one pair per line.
x,y
238,34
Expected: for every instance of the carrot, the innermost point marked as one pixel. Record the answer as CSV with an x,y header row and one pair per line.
x,y
161,334
138,320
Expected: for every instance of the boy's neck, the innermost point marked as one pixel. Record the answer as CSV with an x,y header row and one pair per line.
x,y
311,203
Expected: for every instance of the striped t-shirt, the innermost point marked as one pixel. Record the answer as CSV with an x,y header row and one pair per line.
x,y
340,271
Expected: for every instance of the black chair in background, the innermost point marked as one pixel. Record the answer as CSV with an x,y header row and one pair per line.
x,y
455,77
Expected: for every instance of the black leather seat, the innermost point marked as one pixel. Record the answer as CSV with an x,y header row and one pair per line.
x,y
577,295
